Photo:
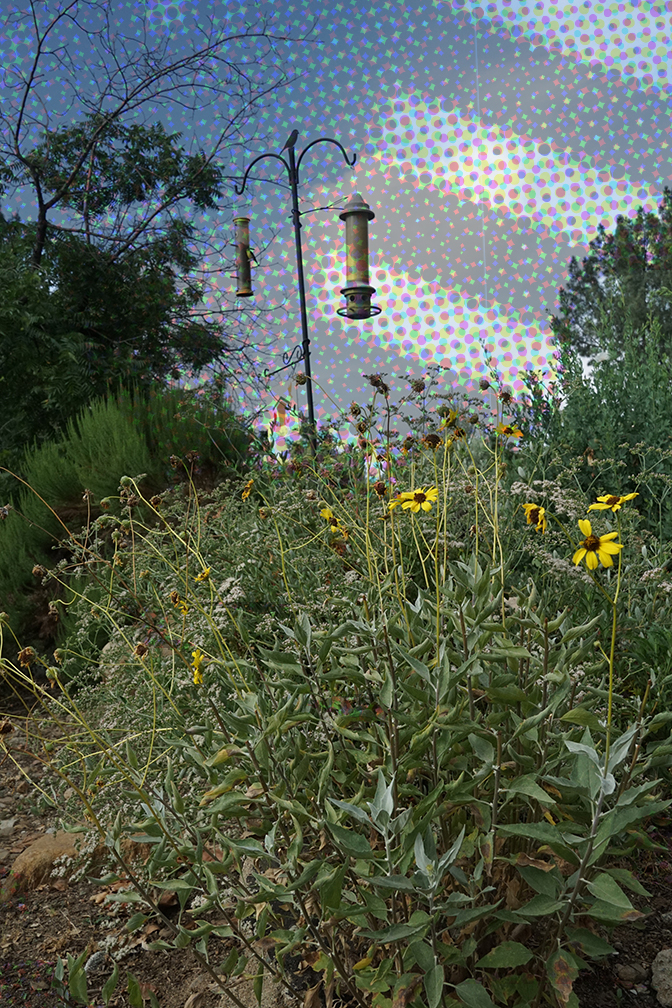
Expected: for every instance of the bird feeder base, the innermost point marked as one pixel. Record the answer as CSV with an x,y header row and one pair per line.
x,y
358,303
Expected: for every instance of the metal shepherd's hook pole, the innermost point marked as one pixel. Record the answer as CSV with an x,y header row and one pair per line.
x,y
357,292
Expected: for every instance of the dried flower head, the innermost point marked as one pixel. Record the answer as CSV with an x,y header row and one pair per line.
x,y
300,378
418,385
378,384
380,488
484,384
39,570
192,456
174,461
355,409
26,657
140,650
432,441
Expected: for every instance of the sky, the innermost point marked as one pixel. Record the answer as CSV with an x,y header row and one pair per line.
x,y
491,142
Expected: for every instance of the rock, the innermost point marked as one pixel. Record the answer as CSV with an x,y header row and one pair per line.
x,y
34,864
661,981
6,827
631,972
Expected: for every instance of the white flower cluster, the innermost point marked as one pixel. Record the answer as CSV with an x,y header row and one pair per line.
x,y
230,592
563,568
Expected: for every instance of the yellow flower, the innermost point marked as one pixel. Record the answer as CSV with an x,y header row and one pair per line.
x,y
413,500
535,516
247,489
508,430
199,658
610,502
596,548
204,575
336,526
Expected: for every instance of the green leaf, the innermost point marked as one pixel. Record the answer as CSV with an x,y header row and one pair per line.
x,y
539,906
393,933
354,844
330,890
582,716
393,883
433,981
482,748
589,943
473,995
507,955
562,971
545,834
527,785
77,982
627,879
134,991
607,889
258,985
110,984
541,881
357,813
136,921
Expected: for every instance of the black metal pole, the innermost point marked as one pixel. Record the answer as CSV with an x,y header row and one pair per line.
x,y
293,170
294,182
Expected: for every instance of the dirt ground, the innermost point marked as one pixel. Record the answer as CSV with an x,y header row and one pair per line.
x,y
62,917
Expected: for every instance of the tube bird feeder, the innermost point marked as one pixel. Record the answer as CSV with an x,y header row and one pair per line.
x,y
357,290
243,256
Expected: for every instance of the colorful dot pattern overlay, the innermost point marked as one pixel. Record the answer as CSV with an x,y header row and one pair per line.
x,y
492,140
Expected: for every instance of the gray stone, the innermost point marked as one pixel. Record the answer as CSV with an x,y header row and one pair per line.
x,y
7,827
661,980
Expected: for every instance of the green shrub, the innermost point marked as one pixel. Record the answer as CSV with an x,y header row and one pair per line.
x,y
354,737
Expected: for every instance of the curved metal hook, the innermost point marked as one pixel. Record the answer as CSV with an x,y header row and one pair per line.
x,y
325,140
239,192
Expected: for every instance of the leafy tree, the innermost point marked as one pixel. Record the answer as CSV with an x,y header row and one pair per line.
x,y
86,323
125,285
615,425
620,286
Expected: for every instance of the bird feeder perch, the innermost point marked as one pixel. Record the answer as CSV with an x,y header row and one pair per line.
x,y
357,291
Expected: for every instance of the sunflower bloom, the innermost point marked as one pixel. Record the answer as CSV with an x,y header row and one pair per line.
x,y
336,526
199,658
610,502
247,489
596,548
508,430
535,516
204,575
414,500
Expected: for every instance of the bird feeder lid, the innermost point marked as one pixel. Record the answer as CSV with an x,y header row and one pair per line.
x,y
357,205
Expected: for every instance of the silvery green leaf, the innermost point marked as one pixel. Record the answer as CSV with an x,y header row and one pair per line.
x,y
383,799
620,748
451,854
608,784
577,747
426,866
353,810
